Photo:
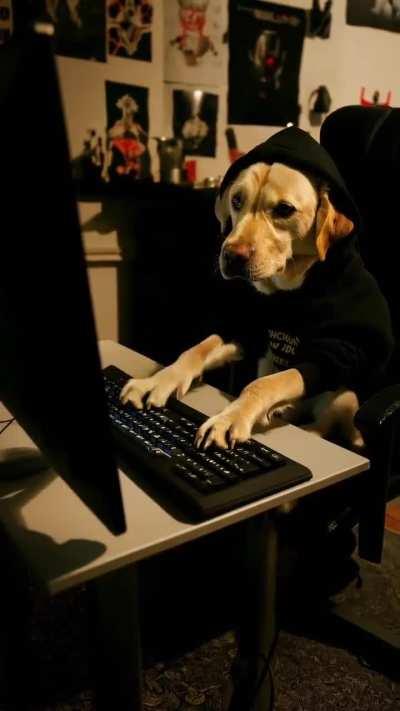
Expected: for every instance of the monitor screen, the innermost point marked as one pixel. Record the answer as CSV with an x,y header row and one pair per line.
x,y
50,373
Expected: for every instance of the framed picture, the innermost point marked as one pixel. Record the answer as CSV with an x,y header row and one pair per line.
x,y
195,121
129,28
80,28
266,44
382,14
127,154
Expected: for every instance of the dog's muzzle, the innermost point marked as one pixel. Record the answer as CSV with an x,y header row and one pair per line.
x,y
235,261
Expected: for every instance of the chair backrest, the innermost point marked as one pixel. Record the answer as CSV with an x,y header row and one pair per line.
x,y
365,144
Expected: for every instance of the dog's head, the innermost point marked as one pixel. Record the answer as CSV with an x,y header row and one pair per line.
x,y
276,222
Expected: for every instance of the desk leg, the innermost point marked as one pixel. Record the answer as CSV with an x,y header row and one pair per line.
x,y
257,626
115,633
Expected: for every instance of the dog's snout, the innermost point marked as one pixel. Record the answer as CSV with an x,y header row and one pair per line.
x,y
235,259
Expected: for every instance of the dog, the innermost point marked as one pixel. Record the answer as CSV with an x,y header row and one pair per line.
x,y
278,224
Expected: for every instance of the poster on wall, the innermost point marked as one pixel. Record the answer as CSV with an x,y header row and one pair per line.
x,y
195,116
129,28
266,44
382,14
127,155
5,20
80,28
194,50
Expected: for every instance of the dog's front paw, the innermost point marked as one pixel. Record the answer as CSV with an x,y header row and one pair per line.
x,y
155,391
225,429
136,391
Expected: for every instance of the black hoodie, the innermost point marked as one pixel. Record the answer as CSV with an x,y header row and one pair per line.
x,y
338,320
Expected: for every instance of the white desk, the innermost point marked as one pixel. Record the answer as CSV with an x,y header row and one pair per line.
x,y
80,549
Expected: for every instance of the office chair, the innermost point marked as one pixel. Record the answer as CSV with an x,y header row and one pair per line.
x,y
365,144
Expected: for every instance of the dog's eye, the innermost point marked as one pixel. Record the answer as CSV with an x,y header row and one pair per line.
x,y
283,209
237,201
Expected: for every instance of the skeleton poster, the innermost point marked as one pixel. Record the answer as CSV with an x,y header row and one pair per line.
x,y
195,121
383,14
129,26
194,50
5,20
266,44
127,155
80,27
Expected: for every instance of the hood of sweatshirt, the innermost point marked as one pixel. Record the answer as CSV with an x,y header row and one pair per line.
x,y
297,149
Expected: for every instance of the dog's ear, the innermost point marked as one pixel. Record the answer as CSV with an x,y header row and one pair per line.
x,y
223,213
331,225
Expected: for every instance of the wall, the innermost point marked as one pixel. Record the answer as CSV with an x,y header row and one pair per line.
x,y
351,58
83,87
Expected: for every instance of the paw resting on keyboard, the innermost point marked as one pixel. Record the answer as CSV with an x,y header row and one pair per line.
x,y
154,391
233,424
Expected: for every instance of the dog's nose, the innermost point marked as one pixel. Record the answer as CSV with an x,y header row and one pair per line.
x,y
235,259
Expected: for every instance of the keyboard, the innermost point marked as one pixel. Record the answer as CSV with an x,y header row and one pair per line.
x,y
205,483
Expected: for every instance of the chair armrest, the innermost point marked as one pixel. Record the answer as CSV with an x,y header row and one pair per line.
x,y
379,413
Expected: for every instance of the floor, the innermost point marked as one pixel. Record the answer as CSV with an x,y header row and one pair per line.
x,y
317,667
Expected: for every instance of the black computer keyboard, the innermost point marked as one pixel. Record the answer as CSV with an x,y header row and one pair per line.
x,y
206,482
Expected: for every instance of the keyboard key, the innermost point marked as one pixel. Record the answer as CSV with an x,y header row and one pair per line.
x,y
230,476
192,478
262,461
215,481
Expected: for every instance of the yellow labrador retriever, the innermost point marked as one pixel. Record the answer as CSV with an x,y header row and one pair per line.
x,y
277,222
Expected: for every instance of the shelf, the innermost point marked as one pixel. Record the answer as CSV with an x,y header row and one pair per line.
x,y
141,190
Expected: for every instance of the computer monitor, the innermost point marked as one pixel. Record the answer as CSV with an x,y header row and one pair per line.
x,y
50,373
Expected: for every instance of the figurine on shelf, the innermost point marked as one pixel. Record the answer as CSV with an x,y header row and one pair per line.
x,y
233,150
170,152
88,166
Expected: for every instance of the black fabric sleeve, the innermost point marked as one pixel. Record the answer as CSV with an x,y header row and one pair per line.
x,y
350,342
331,363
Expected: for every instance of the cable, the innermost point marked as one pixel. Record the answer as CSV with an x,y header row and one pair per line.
x,y
272,703
267,670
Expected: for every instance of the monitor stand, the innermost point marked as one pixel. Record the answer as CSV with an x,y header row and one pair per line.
x,y
21,462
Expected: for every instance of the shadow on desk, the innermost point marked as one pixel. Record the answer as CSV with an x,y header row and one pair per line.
x,y
51,559
145,479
